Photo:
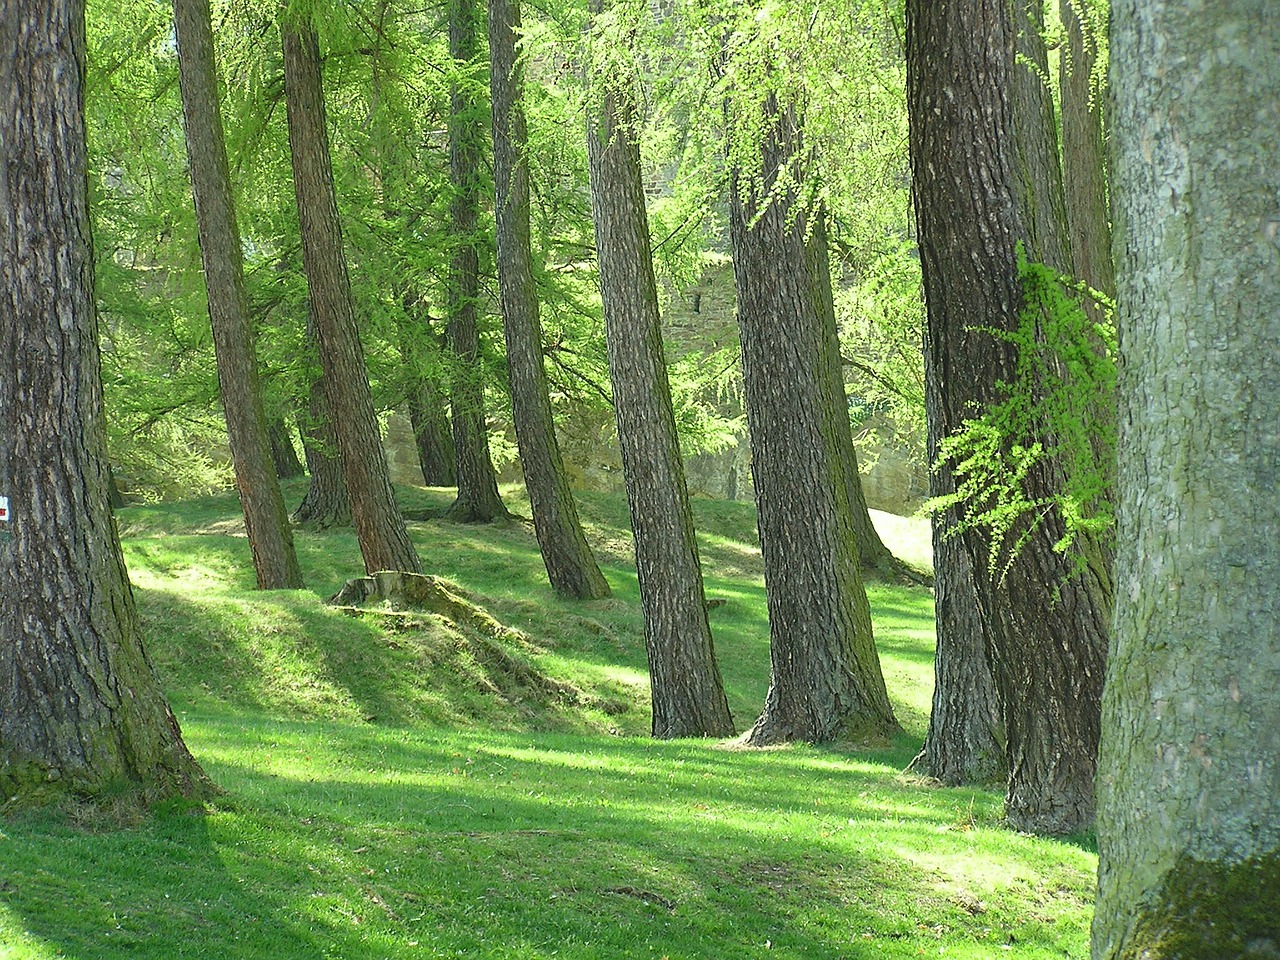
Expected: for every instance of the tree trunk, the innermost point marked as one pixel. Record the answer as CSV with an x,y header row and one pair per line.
x,y
428,410
1084,159
1189,785
571,566
283,455
478,499
81,713
265,518
380,529
826,682
1046,629
688,696
326,503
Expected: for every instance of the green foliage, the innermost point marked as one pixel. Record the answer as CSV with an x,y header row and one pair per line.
x,y
1055,417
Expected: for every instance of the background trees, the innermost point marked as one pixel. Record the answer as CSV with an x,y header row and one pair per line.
x,y
1189,811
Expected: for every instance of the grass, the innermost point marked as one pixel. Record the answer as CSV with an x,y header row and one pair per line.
x,y
388,794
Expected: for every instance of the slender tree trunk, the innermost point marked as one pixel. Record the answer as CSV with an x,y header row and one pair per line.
x,y
571,566
265,518
478,499
326,502
380,529
1084,160
1046,629
283,454
81,713
1189,776
826,682
688,696
428,410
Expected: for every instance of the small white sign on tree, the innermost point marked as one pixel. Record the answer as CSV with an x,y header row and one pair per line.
x,y
4,509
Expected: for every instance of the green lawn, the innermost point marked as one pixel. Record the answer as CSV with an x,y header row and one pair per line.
x,y
389,793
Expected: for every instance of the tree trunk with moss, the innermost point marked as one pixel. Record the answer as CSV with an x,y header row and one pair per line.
x,y
1046,622
81,712
1189,776
478,499
826,682
380,530
265,518
688,695
571,566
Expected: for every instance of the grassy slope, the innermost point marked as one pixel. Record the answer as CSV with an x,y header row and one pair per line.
x,y
389,795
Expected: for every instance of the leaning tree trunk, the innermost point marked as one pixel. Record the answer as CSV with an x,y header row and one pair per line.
x,y
265,518
326,502
826,682
1046,629
571,566
1189,776
688,695
380,529
478,499
427,404
283,455
81,712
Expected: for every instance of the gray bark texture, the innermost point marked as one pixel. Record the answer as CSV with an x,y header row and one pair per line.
x,y
478,499
380,530
266,521
1189,774
571,566
826,682
1045,628
81,712
688,695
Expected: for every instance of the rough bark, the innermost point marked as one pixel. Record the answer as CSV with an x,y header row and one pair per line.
x,y
478,499
571,566
326,503
81,712
826,682
688,696
1046,630
380,530
1084,159
428,411
283,455
266,521
1189,784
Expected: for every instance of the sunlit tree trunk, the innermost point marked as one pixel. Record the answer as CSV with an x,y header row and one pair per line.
x,y
688,696
826,682
81,713
380,529
571,566
1189,775
478,498
265,518
1046,623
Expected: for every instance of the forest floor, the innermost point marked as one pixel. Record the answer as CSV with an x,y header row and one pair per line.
x,y
394,788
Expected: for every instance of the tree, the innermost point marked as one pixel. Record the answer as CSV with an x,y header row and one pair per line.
x,y
266,521
1045,621
571,566
826,681
478,499
688,695
1189,775
326,502
380,529
81,713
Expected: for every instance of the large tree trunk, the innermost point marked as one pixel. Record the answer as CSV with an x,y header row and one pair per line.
x,y
265,518
688,696
478,499
1189,785
1046,629
326,502
380,529
826,682
571,566
1084,158
81,713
